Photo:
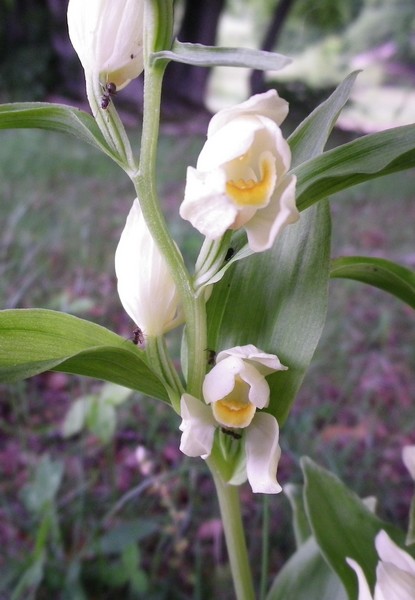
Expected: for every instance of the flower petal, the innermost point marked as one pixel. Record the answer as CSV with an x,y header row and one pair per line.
x,y
262,454
198,427
268,104
221,380
206,204
390,552
364,590
393,584
265,363
268,222
228,143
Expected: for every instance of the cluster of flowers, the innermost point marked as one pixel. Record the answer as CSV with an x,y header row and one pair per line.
x,y
241,181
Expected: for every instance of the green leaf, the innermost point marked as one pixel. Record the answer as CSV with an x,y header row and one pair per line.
x,y
343,525
363,159
310,137
37,340
277,301
211,56
76,416
44,486
54,117
301,526
306,576
383,274
102,420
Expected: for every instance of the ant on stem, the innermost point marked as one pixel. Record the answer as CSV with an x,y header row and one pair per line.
x,y
108,91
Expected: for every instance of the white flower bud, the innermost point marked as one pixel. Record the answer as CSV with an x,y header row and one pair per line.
x,y
145,285
108,38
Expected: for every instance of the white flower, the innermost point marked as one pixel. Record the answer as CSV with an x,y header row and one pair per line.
x,y
395,572
108,37
145,285
233,391
408,457
241,176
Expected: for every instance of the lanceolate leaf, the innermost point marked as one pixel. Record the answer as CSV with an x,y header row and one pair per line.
x,y
363,159
55,117
307,576
383,274
277,301
37,340
310,137
342,525
209,56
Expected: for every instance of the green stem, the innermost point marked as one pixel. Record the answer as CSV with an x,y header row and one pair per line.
x,y
157,354
146,189
110,124
230,508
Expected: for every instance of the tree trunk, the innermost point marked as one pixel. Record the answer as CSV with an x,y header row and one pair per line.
x,y
185,85
257,79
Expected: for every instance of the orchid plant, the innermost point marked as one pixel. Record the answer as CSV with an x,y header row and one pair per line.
x,y
254,306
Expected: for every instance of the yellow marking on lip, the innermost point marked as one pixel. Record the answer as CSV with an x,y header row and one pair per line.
x,y
248,192
235,409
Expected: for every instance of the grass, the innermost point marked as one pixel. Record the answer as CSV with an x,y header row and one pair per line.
x,y
62,210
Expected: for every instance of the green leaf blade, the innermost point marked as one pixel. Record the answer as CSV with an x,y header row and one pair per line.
x,y
36,340
366,158
265,300
310,137
209,56
342,525
54,117
378,272
306,576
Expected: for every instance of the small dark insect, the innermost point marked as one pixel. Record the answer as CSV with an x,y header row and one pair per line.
x,y
233,434
138,337
108,90
229,253
211,357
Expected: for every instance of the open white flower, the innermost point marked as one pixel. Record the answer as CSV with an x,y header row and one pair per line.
x,y
108,38
145,285
233,392
395,572
241,176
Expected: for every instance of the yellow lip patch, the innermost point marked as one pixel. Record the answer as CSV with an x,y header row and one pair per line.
x,y
248,192
233,416
235,409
